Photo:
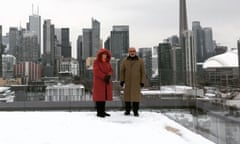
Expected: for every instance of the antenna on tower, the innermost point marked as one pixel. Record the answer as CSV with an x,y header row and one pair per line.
x,y
38,10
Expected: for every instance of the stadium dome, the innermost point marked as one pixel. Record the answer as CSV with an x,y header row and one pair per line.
x,y
227,59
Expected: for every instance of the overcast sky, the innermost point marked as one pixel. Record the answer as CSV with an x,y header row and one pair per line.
x,y
150,21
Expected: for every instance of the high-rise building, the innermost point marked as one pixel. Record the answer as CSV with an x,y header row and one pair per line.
x,y
48,49
79,47
5,42
177,65
208,42
165,64
107,44
35,26
203,41
58,42
13,43
30,47
146,55
190,58
95,37
198,40
66,46
80,55
170,64
155,75
91,40
119,41
8,62
86,43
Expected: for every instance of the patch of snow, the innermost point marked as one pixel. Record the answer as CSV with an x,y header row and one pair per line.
x,y
85,127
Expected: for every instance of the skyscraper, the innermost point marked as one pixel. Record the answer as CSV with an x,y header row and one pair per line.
x,y
48,48
146,55
119,41
58,43
87,43
95,37
80,55
35,26
165,64
189,58
208,42
30,47
79,47
198,40
203,41
66,46
13,43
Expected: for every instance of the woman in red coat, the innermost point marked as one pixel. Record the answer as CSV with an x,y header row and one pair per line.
x,y
102,85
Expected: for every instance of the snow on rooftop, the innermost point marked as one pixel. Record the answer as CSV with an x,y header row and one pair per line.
x,y
85,127
59,85
227,59
3,89
174,89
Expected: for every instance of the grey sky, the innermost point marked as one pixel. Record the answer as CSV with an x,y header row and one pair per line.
x,y
150,21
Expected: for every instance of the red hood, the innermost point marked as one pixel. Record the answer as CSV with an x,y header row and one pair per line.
x,y
101,51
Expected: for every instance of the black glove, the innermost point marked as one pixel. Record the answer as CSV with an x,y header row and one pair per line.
x,y
107,78
142,84
121,83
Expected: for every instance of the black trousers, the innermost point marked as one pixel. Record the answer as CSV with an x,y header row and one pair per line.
x,y
100,106
131,105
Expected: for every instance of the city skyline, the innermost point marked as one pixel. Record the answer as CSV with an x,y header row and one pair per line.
x,y
149,21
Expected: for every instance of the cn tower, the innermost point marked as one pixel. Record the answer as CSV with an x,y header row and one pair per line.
x,y
183,26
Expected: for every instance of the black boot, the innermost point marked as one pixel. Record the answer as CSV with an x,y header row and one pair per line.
x,y
103,107
127,108
100,110
135,108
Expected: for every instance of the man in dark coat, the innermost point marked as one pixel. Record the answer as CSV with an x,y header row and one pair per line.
x,y
132,75
102,84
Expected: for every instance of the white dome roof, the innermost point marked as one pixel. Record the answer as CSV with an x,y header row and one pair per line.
x,y
227,59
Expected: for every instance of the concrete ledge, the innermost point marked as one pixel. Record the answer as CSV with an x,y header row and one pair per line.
x,y
89,105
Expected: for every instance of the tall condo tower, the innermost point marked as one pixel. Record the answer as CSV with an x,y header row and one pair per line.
x,y
95,37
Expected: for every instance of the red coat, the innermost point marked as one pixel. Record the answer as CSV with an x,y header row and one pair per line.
x,y
101,90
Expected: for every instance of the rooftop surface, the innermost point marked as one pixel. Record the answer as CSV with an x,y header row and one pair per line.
x,y
85,127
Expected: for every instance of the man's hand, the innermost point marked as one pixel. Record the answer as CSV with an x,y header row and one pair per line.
x,y
121,83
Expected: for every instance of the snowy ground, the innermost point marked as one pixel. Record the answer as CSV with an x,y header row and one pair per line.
x,y
85,127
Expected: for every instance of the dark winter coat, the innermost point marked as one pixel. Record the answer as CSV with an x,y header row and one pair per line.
x,y
102,91
132,72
